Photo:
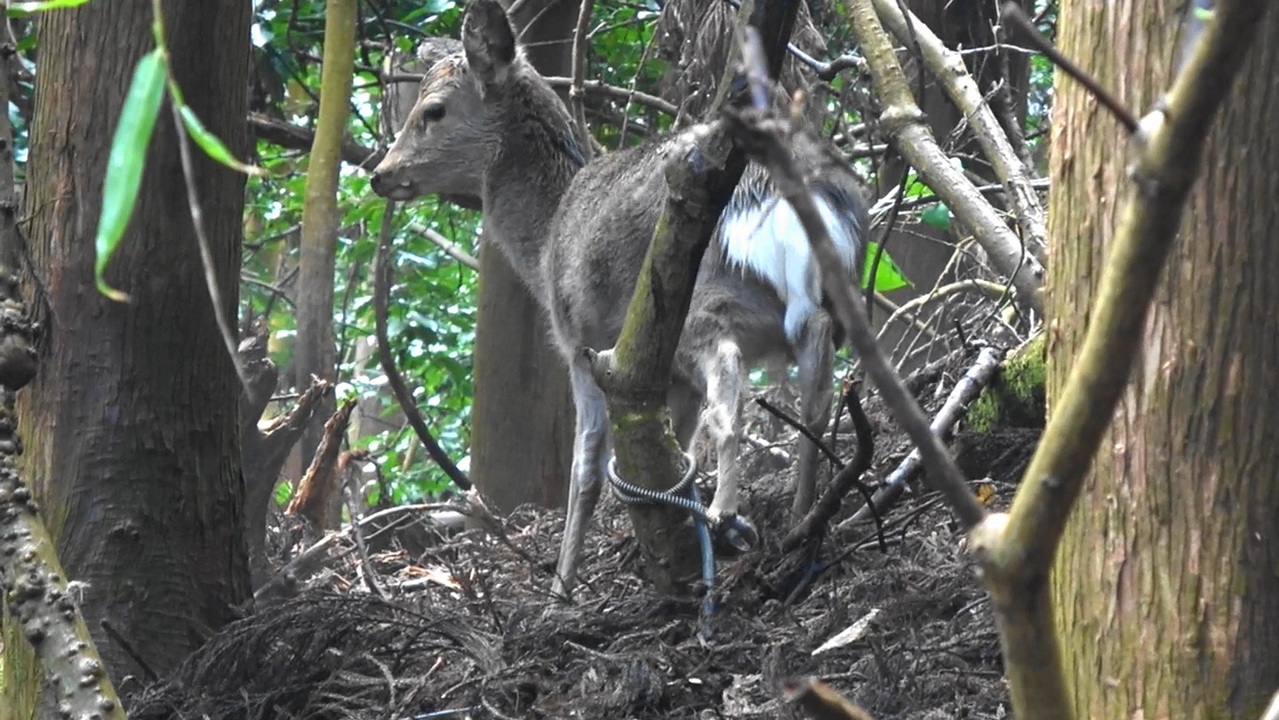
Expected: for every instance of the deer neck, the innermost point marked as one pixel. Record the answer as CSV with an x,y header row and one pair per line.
x,y
522,191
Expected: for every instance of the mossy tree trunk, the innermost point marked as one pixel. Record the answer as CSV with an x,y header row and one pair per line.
x,y
1166,583
131,426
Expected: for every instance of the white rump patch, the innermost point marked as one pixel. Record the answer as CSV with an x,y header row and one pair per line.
x,y
769,240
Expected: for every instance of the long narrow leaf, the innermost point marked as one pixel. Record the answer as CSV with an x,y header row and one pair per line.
x,y
211,144
126,161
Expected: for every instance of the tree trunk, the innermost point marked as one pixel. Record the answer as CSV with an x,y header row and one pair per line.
x,y
522,417
1166,585
315,352
131,425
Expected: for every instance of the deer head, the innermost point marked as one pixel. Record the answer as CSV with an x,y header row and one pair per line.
x,y
478,97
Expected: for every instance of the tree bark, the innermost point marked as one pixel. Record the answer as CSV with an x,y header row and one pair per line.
x,y
131,425
522,417
316,353
1167,595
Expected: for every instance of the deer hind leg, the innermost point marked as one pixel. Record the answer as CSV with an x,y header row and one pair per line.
x,y
723,420
815,356
590,453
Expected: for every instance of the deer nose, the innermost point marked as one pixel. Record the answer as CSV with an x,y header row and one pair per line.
x,y
380,183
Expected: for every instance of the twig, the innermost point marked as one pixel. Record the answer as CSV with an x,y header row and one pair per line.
x,y
596,87
450,248
846,479
803,430
300,566
970,285
357,530
206,253
119,639
575,93
381,299
1018,21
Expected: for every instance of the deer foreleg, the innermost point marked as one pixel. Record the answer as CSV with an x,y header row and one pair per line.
x,y
723,420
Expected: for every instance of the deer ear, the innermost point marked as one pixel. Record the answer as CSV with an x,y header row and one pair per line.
x,y
488,40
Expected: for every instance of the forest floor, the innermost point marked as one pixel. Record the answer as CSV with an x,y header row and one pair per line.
x,y
423,626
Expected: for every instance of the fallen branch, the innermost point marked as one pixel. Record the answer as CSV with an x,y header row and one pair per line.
x,y
977,377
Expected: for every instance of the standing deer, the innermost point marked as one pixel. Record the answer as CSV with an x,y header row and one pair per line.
x,y
486,125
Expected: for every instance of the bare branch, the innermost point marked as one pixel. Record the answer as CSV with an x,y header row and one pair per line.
x,y
907,131
948,68
381,299
575,94
596,87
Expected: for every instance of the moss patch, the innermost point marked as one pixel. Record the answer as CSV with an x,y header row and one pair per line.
x,y
1017,397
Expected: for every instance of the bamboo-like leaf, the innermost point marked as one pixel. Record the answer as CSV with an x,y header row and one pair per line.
x,y
211,144
126,161
25,8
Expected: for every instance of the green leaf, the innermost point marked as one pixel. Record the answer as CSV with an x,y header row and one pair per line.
x,y
25,8
889,277
125,163
211,145
937,215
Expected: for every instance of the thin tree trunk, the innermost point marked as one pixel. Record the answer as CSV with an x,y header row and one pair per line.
x,y
131,425
1167,591
522,417
315,352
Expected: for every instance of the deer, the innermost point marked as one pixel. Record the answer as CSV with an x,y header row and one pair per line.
x,y
488,129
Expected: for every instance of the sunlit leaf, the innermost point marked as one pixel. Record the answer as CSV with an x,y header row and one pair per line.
x,y
212,145
126,161
888,277
24,8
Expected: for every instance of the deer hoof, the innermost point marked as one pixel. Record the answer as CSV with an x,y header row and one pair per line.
x,y
737,535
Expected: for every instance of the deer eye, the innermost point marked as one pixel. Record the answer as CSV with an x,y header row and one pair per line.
x,y
432,112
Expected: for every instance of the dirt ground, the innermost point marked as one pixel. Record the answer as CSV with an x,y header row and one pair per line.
x,y
463,627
